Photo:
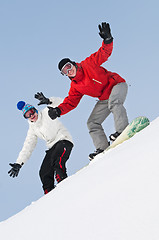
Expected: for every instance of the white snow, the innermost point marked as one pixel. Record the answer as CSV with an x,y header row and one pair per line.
x,y
115,197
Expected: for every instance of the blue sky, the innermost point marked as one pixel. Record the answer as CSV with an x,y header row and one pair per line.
x,y
35,35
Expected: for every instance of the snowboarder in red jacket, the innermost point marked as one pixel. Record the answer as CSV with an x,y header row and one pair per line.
x,y
90,78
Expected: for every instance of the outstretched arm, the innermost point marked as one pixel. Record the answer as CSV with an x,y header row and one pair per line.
x,y
104,52
28,147
24,155
69,103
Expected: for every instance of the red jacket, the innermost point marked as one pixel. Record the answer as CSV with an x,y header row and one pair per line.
x,y
91,79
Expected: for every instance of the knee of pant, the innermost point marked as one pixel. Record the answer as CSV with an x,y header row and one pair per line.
x,y
90,124
40,173
114,104
59,163
60,166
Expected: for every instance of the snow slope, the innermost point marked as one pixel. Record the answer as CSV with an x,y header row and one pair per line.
x,y
116,197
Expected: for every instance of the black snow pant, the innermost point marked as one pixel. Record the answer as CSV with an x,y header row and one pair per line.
x,y
54,164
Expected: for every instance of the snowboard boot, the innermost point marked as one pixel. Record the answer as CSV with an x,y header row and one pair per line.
x,y
48,189
92,155
114,136
46,192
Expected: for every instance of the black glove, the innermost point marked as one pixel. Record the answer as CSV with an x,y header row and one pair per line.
x,y
54,112
43,100
14,170
105,32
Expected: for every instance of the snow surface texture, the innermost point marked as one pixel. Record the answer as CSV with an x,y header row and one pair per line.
x,y
115,197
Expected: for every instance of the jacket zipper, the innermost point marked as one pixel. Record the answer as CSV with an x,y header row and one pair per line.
x,y
96,81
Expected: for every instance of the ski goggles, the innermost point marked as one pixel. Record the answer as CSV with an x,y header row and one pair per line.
x,y
67,67
29,113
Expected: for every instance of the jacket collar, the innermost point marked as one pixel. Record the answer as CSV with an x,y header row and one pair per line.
x,y
79,74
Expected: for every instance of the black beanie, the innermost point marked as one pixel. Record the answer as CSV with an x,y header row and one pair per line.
x,y
63,62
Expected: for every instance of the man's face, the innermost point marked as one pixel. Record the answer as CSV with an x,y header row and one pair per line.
x,y
32,115
69,70
72,73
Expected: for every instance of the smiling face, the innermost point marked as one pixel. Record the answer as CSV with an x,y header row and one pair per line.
x,y
69,70
72,72
32,115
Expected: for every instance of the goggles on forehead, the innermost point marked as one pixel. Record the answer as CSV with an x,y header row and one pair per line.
x,y
67,67
29,113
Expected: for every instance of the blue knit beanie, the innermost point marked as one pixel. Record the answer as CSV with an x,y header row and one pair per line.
x,y
21,105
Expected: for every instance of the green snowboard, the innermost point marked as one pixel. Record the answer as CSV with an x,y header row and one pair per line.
x,y
135,126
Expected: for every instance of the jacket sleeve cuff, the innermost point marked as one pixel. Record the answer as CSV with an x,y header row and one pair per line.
x,y
108,40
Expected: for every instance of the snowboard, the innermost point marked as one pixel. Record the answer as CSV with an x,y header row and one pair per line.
x,y
135,126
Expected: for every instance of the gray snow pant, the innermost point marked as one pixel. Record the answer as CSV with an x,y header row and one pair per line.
x,y
102,110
